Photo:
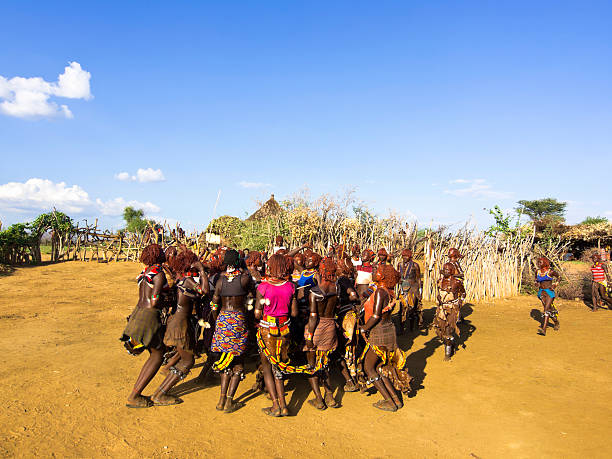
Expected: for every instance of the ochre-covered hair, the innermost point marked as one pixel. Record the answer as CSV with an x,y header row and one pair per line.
x,y
390,275
383,251
327,269
345,266
171,252
253,259
279,266
406,253
299,259
545,261
367,252
315,257
183,261
454,253
152,254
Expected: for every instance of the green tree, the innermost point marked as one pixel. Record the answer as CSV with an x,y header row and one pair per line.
x,y
594,220
540,209
230,228
134,220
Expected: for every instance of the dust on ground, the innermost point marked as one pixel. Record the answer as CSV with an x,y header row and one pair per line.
x,y
507,393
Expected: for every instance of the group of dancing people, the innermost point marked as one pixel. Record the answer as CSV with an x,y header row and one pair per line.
x,y
302,312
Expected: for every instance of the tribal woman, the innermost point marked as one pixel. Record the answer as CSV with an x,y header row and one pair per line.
x,y
379,334
364,274
547,280
298,267
231,331
308,279
356,255
320,334
411,290
383,257
599,287
347,297
198,274
179,331
144,329
274,302
254,264
453,257
450,296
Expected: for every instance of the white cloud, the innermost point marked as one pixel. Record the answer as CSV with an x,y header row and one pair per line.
x,y
42,194
38,194
244,184
123,176
116,206
477,188
149,175
142,175
29,97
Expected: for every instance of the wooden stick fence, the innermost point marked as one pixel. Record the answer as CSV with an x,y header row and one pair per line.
x,y
493,265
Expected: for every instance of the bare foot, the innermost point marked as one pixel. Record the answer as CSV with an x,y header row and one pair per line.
x,y
318,404
221,404
231,406
330,401
385,405
272,411
350,386
165,400
138,401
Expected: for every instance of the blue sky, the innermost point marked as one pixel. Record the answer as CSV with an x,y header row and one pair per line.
x,y
431,109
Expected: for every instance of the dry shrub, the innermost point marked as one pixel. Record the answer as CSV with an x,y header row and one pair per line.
x,y
575,281
588,253
576,286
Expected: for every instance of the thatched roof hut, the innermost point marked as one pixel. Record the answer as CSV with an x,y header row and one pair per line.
x,y
589,233
270,208
583,238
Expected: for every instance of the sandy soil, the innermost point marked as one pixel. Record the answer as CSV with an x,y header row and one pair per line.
x,y
508,393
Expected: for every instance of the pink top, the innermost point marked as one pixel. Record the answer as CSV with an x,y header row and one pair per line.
x,y
277,298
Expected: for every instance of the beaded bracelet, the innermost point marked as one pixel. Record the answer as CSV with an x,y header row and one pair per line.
x,y
154,297
214,306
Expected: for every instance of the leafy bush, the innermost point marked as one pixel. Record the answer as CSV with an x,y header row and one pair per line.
x,y
594,220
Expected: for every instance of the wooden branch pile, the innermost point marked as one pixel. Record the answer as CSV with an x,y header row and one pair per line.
x,y
392,233
88,243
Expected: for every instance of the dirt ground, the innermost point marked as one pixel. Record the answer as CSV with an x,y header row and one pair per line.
x,y
507,393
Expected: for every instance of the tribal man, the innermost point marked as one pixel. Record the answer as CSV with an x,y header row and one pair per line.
x,y
412,290
450,296
600,280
